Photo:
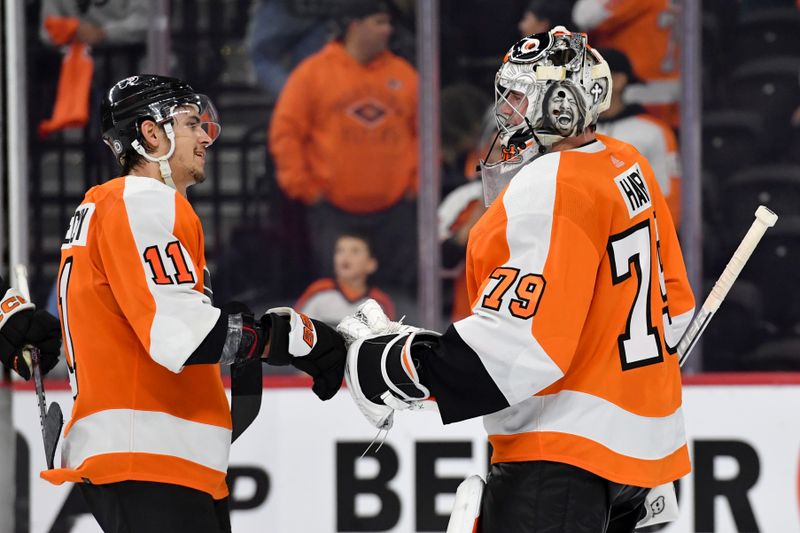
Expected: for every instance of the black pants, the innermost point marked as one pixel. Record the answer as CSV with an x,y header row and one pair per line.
x,y
546,497
149,507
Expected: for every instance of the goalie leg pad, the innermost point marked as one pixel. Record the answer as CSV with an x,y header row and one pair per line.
x,y
467,507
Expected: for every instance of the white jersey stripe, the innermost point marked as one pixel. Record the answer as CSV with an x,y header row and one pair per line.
x,y
183,315
511,355
131,431
594,418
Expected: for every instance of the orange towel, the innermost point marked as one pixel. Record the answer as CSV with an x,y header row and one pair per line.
x,y
71,108
61,29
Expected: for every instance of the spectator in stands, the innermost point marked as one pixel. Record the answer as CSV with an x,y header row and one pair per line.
x,y
99,22
468,127
651,136
463,109
332,299
76,26
647,33
343,136
281,34
542,15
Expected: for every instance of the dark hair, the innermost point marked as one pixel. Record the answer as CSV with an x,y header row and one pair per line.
x,y
558,12
463,107
351,10
356,235
130,160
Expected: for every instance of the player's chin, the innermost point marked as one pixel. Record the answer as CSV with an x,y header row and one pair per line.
x,y
198,175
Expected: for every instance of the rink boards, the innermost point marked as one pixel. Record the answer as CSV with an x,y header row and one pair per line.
x,y
297,469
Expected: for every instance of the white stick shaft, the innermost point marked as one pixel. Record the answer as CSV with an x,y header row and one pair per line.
x,y
22,281
765,219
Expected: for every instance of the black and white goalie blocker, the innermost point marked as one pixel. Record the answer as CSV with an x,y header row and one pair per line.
x,y
401,388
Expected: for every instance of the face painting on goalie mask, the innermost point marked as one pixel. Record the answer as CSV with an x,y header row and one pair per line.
x,y
563,109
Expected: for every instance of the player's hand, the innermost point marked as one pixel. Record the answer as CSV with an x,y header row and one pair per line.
x,y
308,345
38,328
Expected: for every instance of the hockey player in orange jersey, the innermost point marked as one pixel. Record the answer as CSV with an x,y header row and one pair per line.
x,y
579,296
150,431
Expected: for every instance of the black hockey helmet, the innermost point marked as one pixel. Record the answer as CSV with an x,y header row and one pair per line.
x,y
149,97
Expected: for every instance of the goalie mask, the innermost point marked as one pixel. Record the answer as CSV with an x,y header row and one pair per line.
x,y
551,86
133,100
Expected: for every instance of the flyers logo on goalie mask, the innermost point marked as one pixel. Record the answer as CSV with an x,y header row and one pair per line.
x,y
511,154
531,48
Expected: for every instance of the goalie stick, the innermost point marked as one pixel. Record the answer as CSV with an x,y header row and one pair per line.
x,y
765,219
51,420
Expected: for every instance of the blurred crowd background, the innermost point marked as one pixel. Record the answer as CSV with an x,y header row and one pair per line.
x,y
312,190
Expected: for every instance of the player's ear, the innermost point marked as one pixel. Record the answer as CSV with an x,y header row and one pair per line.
x,y
152,135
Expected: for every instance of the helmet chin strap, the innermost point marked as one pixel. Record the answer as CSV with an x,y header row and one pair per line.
x,y
163,161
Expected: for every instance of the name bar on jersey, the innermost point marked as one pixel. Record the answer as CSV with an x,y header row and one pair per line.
x,y
634,190
78,226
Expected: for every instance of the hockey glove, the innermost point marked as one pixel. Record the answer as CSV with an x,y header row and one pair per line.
x,y
20,325
308,345
382,374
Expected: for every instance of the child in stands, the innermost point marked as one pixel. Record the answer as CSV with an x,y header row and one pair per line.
x,y
331,299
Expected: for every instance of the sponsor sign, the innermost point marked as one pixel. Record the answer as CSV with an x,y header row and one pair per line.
x,y
298,467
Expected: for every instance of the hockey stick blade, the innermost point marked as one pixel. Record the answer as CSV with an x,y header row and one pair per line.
x,y
246,393
765,219
51,432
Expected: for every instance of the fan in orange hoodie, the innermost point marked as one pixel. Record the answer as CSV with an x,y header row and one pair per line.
x,y
344,140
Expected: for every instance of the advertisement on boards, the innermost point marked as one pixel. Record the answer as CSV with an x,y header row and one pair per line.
x,y
299,467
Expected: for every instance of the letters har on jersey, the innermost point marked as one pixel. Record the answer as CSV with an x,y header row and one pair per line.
x,y
634,191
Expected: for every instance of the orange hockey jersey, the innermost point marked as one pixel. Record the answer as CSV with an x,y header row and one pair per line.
x,y
647,32
579,296
133,309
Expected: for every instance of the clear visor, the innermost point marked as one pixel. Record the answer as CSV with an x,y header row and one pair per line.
x,y
497,175
199,115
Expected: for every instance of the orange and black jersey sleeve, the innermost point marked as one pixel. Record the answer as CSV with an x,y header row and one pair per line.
x,y
576,280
